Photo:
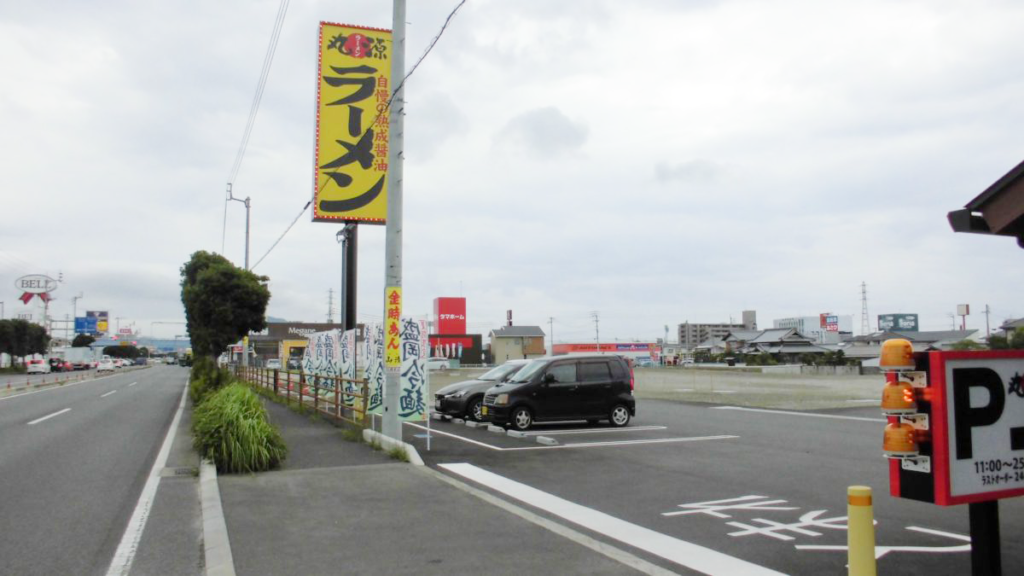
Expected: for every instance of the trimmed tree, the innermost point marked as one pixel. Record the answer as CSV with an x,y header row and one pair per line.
x,y
222,302
82,341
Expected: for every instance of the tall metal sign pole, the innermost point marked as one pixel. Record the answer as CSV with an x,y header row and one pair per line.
x,y
392,425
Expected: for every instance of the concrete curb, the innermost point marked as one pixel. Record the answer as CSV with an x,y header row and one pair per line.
x,y
371,436
216,545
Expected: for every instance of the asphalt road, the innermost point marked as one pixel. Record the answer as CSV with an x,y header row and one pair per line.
x,y
782,478
73,461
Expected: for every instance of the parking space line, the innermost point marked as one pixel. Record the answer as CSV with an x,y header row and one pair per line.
x,y
574,445
58,413
807,414
456,436
681,552
593,430
624,443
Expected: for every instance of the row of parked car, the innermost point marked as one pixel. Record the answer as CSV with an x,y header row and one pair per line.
x,y
521,392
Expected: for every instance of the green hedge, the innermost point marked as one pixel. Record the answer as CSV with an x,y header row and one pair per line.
x,y
230,428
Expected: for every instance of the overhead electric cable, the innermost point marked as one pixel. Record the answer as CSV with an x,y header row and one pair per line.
x,y
268,60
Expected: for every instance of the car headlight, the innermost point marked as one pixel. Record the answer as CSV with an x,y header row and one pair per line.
x,y
501,400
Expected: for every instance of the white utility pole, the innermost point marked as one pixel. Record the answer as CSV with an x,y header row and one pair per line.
x,y
551,326
391,425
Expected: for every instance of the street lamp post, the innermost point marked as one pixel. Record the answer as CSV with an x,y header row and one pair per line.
x,y
247,206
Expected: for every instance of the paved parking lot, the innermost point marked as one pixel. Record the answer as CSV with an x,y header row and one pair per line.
x,y
727,488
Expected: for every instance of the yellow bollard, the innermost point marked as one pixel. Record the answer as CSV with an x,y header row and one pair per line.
x,y
860,534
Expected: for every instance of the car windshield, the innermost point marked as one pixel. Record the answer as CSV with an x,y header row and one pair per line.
x,y
499,373
529,370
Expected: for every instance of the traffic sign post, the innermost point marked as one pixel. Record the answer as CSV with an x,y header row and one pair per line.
x,y
968,421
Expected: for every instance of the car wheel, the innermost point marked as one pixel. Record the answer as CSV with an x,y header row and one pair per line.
x,y
475,411
619,415
521,418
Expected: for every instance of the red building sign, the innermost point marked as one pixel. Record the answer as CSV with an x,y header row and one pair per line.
x,y
451,315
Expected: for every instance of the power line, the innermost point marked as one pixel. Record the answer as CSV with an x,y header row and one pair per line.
x,y
274,245
385,109
268,60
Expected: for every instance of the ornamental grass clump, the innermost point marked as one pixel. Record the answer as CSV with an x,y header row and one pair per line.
x,y
205,378
230,428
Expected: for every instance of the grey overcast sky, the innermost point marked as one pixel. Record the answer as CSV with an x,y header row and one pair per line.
x,y
655,161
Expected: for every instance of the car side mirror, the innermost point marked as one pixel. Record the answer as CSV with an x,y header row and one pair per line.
x,y
550,378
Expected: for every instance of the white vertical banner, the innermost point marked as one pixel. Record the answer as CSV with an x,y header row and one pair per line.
x,y
375,366
347,350
412,405
322,358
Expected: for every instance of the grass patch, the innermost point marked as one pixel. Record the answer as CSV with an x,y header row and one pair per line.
x,y
230,428
352,435
399,453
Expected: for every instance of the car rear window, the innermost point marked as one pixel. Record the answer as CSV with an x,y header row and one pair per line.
x,y
595,371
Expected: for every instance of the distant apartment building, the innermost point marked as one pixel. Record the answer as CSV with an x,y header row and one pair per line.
x,y
693,335
823,328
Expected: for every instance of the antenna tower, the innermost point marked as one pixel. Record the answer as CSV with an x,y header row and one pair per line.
x,y
865,326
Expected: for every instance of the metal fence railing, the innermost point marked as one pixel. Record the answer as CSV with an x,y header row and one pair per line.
x,y
325,394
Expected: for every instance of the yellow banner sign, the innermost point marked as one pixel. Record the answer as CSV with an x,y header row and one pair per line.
x,y
352,124
392,331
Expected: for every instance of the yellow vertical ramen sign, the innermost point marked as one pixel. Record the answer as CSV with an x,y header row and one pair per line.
x,y
352,124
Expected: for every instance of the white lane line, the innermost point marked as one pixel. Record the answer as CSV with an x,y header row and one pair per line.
x,y
122,563
109,393
681,552
593,430
807,414
57,389
58,413
132,384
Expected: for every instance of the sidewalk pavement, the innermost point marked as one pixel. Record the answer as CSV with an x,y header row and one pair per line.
x,y
340,507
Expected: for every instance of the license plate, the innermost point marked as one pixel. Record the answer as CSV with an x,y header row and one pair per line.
x,y
483,410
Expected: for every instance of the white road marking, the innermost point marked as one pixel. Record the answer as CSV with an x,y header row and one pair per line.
x,y
593,430
681,552
575,445
623,443
883,550
132,384
122,563
807,414
109,393
58,413
63,387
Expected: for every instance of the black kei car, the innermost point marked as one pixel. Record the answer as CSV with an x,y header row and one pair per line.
x,y
465,399
592,388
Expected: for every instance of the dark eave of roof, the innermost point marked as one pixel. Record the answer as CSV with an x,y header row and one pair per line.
x,y
998,210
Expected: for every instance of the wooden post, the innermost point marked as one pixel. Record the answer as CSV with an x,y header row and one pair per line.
x,y
276,377
337,397
302,384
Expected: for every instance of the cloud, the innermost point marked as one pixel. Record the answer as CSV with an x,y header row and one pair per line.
x,y
691,171
543,133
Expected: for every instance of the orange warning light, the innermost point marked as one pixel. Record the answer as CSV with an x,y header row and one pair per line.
x,y
897,354
900,441
898,398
